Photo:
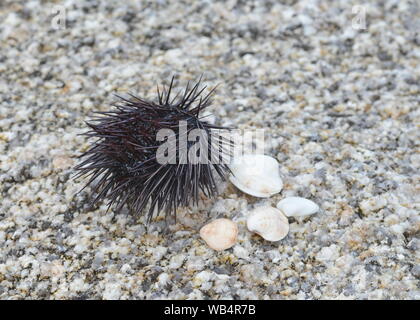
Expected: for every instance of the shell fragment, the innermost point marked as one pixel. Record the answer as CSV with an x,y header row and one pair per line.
x,y
268,222
220,234
257,175
296,207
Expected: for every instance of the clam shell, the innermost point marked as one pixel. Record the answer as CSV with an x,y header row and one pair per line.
x,y
297,206
257,175
268,222
220,234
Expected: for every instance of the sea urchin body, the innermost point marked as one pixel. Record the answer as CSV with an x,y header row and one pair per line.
x,y
154,156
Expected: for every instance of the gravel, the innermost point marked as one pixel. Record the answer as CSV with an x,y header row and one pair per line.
x,y
338,98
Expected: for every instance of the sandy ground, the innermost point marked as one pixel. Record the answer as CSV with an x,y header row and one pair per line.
x,y
334,86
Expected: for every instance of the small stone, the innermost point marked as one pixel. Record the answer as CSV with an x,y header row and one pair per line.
x,y
297,207
328,253
62,162
220,234
257,175
269,223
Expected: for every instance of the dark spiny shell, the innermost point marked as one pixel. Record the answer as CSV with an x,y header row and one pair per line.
x,y
122,163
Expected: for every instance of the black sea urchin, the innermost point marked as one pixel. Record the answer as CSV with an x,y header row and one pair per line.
x,y
130,164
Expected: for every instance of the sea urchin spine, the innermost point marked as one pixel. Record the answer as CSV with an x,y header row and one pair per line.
x,y
130,164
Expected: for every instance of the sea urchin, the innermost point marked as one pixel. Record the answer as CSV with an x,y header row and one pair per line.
x,y
154,156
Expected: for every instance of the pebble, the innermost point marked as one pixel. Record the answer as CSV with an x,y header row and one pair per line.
x,y
297,207
62,162
220,234
257,175
268,222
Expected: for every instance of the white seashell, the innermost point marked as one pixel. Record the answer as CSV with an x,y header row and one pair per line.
x,y
257,175
270,223
296,206
220,234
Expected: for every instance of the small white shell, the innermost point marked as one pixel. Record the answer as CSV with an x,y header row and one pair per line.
x,y
268,222
296,206
220,234
257,175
